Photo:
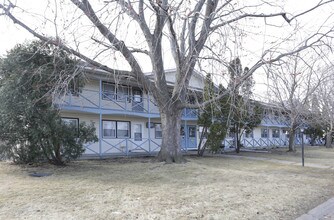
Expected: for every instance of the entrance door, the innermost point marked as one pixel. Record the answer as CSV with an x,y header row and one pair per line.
x,y
137,100
191,141
188,137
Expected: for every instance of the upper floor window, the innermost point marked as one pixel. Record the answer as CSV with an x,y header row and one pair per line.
x,y
75,86
112,92
108,91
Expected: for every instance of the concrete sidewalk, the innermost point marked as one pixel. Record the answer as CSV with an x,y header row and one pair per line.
x,y
324,211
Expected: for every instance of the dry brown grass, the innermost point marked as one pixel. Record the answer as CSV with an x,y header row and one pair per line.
x,y
203,188
313,155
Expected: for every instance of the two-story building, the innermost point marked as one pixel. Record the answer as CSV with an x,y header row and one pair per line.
x,y
127,120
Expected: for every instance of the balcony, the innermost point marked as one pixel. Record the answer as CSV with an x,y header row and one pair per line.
x,y
277,121
92,101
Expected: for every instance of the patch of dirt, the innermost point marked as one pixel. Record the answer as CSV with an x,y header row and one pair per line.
x,y
203,188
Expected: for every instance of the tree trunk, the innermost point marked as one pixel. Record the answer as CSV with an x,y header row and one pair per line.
x,y
170,147
292,135
237,144
237,139
329,139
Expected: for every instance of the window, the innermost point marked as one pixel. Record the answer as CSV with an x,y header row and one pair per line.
x,y
182,133
122,93
192,132
286,132
158,131
109,129
112,92
74,86
108,91
231,134
137,96
73,122
249,134
275,133
264,133
137,132
123,129
116,129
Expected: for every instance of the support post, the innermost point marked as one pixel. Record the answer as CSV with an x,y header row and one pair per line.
x,y
149,123
100,121
127,147
100,135
302,131
186,135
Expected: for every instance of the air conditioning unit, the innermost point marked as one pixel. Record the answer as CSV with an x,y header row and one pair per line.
x,y
149,125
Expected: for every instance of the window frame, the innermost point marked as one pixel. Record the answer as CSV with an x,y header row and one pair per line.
x,y
274,133
114,96
106,96
267,133
249,134
141,132
109,137
155,130
77,124
116,129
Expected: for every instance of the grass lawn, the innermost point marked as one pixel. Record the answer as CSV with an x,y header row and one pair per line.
x,y
313,155
203,188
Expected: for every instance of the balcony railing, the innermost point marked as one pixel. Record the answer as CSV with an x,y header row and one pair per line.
x,y
274,120
92,99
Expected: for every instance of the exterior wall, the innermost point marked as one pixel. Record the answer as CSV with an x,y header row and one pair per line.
x,y
121,146
90,97
88,105
196,81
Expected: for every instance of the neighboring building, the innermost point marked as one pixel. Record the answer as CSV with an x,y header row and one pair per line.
x,y
127,120
271,132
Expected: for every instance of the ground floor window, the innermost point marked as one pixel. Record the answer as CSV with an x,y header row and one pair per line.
x,y
116,129
264,133
73,122
275,133
158,130
231,134
138,132
249,134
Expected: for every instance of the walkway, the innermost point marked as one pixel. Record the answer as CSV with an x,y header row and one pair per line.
x,y
324,211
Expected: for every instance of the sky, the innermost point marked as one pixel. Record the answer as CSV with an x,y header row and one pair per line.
x,y
253,44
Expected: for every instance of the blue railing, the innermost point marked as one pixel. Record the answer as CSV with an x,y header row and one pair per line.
x,y
93,100
274,121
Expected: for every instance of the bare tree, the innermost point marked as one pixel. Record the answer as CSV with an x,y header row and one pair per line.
x,y
293,82
198,32
325,105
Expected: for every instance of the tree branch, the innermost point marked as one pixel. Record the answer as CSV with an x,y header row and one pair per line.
x,y
87,9
259,64
58,43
